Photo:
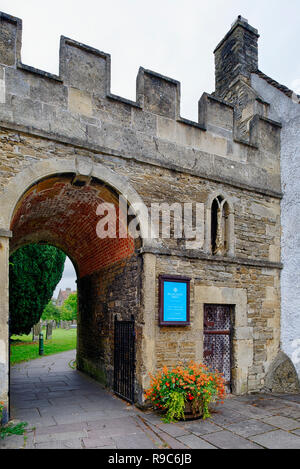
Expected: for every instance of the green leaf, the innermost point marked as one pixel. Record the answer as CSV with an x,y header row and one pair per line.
x,y
34,271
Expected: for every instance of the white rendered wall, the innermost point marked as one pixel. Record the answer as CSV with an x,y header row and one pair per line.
x,y
287,111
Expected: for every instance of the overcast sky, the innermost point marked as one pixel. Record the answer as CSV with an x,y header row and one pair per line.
x,y
173,37
68,278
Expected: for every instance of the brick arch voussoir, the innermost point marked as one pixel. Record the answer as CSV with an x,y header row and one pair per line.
x,y
81,166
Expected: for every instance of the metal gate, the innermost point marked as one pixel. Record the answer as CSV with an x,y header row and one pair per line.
x,y
217,339
124,359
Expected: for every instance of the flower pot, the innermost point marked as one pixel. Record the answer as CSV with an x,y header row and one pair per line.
x,y
190,413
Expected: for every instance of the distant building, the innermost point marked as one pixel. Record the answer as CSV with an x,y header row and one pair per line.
x,y
63,295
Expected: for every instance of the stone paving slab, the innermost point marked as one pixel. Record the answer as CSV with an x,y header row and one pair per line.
x,y
33,404
57,429
277,439
194,442
12,442
249,428
60,436
283,423
67,444
24,413
202,427
57,410
173,430
246,410
289,412
116,426
139,441
227,440
69,410
290,397
227,417
39,422
98,442
170,441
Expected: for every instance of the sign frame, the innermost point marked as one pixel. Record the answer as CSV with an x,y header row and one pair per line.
x,y
175,279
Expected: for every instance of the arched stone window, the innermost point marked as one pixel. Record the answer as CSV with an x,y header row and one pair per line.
x,y
219,239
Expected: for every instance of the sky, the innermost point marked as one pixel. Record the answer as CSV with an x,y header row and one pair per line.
x,y
173,37
68,278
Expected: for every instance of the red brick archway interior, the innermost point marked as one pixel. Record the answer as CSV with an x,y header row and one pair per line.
x,y
59,212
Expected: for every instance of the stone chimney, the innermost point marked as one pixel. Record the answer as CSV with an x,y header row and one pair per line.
x,y
236,56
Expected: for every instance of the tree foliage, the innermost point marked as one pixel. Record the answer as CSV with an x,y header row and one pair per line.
x,y
51,311
68,310
35,270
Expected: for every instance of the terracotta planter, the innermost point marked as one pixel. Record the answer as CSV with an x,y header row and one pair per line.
x,y
190,413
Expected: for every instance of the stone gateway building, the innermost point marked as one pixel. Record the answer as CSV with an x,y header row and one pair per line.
x,y
71,152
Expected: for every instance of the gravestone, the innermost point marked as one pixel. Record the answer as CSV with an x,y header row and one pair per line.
x,y
36,331
49,330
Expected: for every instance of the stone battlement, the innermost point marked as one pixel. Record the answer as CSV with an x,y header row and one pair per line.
x,y
78,107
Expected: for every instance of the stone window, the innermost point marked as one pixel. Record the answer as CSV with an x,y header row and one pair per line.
x,y
219,226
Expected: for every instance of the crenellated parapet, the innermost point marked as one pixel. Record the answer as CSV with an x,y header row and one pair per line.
x,y
77,106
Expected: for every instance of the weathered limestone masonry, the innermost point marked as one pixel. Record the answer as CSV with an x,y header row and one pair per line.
x,y
68,144
284,105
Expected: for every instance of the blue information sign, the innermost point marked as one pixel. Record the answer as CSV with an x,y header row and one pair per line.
x,y
174,300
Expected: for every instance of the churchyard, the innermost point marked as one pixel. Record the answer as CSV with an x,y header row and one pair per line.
x,y
23,348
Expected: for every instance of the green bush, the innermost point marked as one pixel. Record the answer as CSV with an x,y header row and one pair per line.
x,y
34,271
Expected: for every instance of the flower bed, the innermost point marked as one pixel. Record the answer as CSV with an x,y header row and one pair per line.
x,y
186,391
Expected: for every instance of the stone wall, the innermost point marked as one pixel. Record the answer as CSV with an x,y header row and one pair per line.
x,y
109,292
257,217
97,145
287,109
256,337
236,55
73,109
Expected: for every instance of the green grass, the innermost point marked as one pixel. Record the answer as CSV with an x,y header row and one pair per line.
x,y
23,349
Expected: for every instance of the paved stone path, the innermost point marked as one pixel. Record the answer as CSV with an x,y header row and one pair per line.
x,y
66,409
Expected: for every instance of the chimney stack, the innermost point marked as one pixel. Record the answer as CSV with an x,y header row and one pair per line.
x,y
236,56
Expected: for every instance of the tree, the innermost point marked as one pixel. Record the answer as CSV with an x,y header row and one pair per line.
x,y
68,310
35,271
51,311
